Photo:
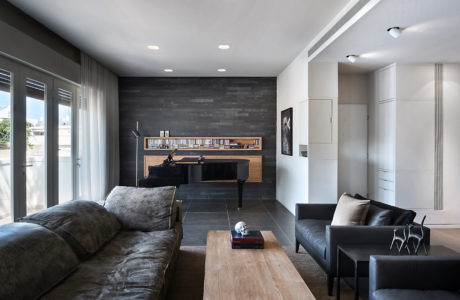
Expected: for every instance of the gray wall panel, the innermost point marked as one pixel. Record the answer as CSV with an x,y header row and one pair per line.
x,y
201,106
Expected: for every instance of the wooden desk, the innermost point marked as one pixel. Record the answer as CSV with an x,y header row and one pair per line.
x,y
237,274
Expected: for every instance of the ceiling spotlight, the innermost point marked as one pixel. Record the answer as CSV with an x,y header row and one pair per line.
x,y
352,58
153,47
394,32
221,70
168,70
223,47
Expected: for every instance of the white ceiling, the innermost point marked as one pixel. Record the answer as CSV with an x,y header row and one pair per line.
x,y
431,33
264,35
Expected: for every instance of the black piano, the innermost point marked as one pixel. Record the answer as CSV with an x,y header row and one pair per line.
x,y
193,170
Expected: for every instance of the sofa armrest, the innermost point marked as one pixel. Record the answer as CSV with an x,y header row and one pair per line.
x,y
414,272
355,235
179,211
314,211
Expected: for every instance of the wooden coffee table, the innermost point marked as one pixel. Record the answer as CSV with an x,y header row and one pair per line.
x,y
250,273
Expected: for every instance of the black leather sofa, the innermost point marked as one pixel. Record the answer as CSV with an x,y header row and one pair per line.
x,y
314,232
414,277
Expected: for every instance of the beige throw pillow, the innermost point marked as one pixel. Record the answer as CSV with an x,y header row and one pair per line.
x,y
350,211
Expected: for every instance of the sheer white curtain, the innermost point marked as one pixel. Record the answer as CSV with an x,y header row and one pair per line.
x,y
98,138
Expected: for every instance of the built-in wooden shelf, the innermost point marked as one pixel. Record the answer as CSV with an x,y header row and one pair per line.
x,y
203,143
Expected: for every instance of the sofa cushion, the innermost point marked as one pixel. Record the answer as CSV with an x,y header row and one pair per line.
x,y
400,216
144,209
84,225
33,259
350,211
399,294
312,234
377,216
131,266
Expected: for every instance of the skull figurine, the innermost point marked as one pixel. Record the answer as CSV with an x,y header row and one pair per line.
x,y
241,228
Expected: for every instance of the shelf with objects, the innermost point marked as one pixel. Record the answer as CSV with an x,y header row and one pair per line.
x,y
204,143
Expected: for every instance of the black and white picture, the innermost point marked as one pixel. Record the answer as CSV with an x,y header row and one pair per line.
x,y
286,131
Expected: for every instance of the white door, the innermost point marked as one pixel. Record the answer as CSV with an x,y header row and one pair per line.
x,y
320,121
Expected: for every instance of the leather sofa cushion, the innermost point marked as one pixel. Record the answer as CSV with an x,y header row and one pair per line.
x,y
131,266
85,225
314,233
145,209
377,216
33,259
350,211
400,216
400,294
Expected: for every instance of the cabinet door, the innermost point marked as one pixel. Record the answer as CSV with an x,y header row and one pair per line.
x,y
385,195
386,134
320,122
387,83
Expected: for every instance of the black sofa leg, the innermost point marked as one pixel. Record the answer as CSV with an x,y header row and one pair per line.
x,y
297,244
330,284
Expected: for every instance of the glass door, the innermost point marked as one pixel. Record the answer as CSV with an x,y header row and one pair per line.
x,y
37,140
35,165
65,102
5,146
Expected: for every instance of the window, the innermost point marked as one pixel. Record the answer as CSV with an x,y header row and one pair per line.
x,y
5,147
38,172
65,100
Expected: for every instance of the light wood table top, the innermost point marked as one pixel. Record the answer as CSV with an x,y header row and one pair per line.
x,y
239,274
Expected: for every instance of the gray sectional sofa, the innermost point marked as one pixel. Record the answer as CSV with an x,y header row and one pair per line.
x,y
314,232
125,249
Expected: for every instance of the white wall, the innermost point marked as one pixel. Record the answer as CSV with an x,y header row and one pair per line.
x,y
292,171
21,46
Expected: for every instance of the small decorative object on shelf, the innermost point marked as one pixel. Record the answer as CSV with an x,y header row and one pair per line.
x,y
419,238
202,143
241,228
251,240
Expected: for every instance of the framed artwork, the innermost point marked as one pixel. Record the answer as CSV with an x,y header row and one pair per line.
x,y
286,131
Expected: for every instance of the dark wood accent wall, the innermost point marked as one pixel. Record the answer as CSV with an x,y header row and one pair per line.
x,y
200,106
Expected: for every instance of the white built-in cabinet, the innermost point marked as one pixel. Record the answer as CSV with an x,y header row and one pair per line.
x,y
385,94
404,135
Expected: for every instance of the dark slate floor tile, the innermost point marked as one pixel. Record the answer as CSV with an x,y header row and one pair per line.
x,y
206,218
251,218
195,235
207,206
279,234
248,205
203,215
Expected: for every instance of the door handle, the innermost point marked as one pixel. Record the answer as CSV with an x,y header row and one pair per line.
x,y
27,165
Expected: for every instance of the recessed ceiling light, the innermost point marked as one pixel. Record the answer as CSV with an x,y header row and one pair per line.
x,y
168,70
221,70
224,47
394,32
153,47
352,58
